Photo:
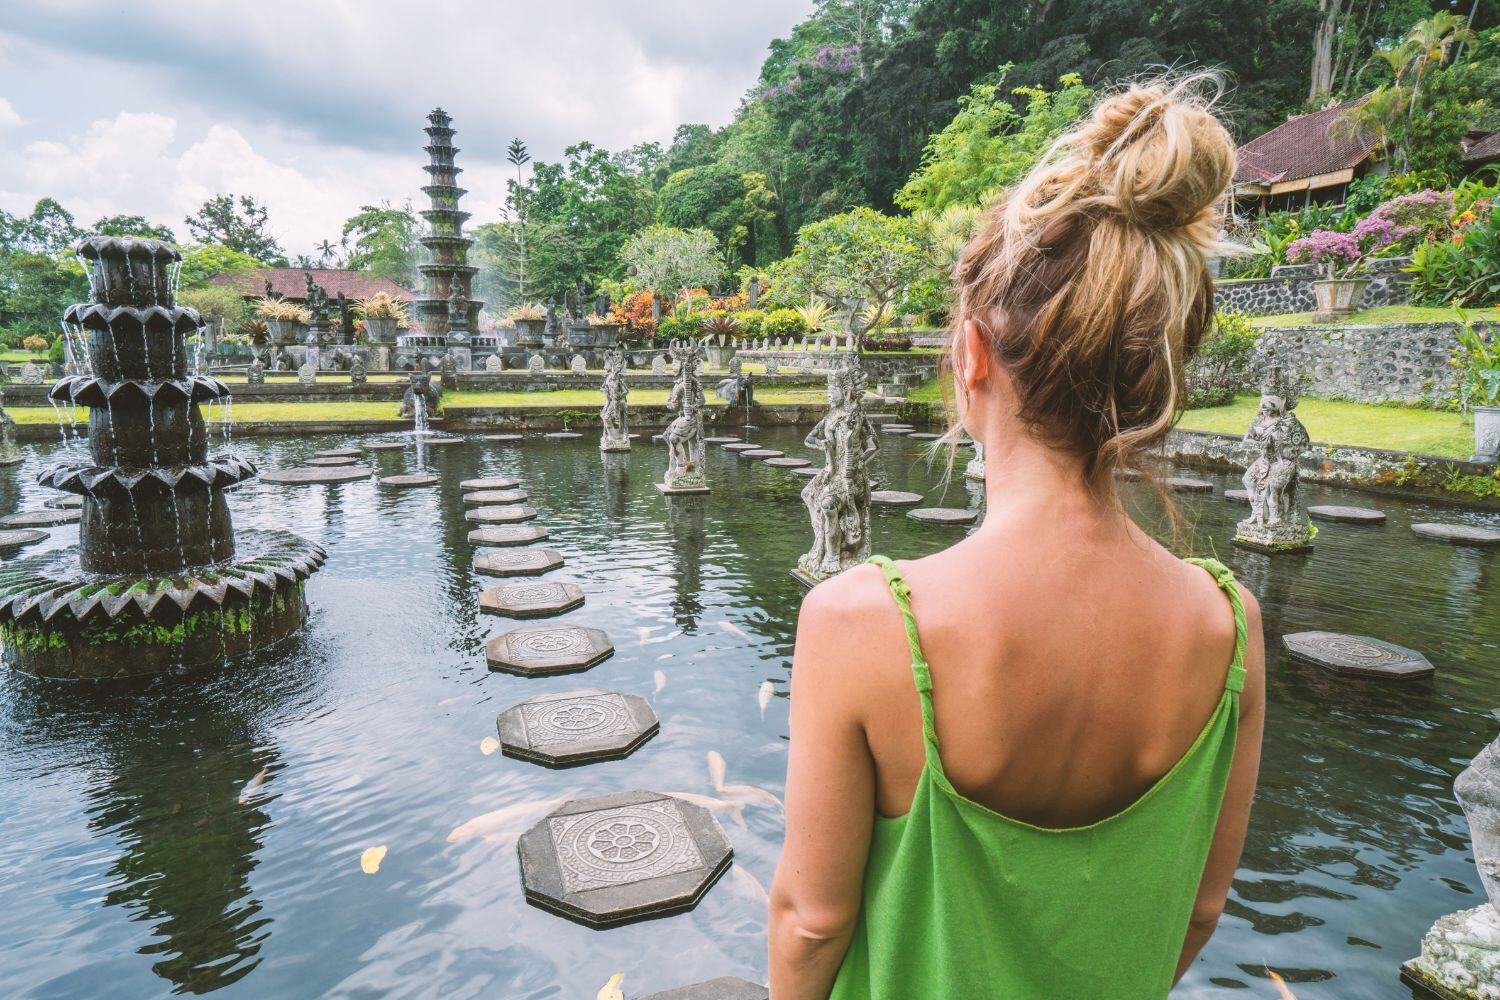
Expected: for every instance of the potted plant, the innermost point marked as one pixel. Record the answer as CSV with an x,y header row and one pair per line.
x,y
1338,256
721,329
283,319
383,314
530,321
1478,361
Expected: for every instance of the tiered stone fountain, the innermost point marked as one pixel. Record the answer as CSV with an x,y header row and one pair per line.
x,y
156,582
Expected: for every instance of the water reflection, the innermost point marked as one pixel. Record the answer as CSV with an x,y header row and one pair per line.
x,y
685,522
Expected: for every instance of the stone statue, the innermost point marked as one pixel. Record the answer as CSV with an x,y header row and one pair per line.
x,y
10,453
684,435
601,304
613,418
257,373
658,365
1461,953
773,367
535,364
577,365
838,497
308,373
1277,441
494,363
270,293
752,294
346,320
31,373
357,372
448,367
549,332
570,303
736,365
420,385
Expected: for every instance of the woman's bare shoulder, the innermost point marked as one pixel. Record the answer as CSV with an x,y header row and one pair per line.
x,y
849,624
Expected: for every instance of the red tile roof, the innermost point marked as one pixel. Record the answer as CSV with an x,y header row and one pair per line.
x,y
1484,148
291,283
1301,147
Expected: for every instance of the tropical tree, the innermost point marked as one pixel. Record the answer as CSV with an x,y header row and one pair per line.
x,y
132,225
863,260
517,155
383,241
240,224
199,263
667,260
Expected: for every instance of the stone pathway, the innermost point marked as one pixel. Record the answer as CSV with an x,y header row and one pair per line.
x,y
576,727
898,429
944,515
500,497
1346,515
720,440
490,483
20,537
516,562
65,502
895,498
741,446
562,435
306,475
1357,656
409,480
787,463
553,649
923,436
338,453
387,445
329,461
1243,496
1184,484
503,438
1459,534
507,514
539,599
41,518
760,454
806,471
508,534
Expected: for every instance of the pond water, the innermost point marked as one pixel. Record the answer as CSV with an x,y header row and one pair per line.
x,y
135,861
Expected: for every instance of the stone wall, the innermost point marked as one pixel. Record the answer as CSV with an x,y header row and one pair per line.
x,y
1289,289
1406,362
878,367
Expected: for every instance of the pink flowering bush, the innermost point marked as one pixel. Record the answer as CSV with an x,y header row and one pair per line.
x,y
1330,250
1404,221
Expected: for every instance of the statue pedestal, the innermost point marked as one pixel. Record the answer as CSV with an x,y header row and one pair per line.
x,y
807,580
1460,957
1286,537
620,446
681,490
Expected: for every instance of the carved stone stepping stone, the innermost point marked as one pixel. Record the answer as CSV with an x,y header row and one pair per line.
x,y
330,461
386,446
409,481
902,429
759,454
41,518
496,496
943,515
741,446
1184,484
65,502
895,498
806,471
338,453
555,649
1243,496
510,514
720,440
786,462
615,859
19,537
723,988
439,442
1357,655
492,483
308,475
1459,534
576,727
562,435
504,438
923,436
533,599
1347,515
516,562
506,535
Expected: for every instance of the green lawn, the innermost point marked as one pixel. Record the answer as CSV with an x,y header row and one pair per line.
x,y
1384,314
21,357
1332,422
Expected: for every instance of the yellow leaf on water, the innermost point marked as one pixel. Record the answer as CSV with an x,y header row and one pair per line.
x,y
369,861
1281,990
488,745
611,990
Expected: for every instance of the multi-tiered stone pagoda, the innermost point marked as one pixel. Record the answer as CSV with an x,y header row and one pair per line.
x,y
445,308
157,581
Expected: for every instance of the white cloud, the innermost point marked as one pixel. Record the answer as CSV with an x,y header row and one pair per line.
x,y
8,114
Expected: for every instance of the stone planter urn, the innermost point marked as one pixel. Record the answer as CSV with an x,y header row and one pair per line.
x,y
1338,298
581,335
1486,434
607,335
529,332
283,331
719,355
381,331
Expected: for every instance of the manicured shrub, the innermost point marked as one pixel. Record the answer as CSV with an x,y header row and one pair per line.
x,y
783,323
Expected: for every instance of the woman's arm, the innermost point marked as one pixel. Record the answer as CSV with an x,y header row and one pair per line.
x,y
830,796
1234,814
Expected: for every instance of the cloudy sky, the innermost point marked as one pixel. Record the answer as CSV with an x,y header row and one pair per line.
x,y
316,106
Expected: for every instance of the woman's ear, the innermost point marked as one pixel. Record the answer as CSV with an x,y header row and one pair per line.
x,y
976,357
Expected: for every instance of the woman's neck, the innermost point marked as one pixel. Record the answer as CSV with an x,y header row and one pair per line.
x,y
1026,480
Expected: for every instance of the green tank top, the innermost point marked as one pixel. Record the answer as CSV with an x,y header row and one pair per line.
x,y
963,902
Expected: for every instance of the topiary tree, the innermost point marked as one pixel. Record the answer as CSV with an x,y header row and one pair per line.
x,y
668,260
862,259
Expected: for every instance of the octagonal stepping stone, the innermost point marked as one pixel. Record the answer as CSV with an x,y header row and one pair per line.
x,y
786,462
895,498
720,440
505,535
492,483
943,515
723,988
576,727
759,454
1459,534
902,429
19,537
615,859
555,649
41,518
516,562
533,599
330,461
504,438
806,471
923,436
496,496
562,435
509,514
1347,515
338,453
65,502
386,445
741,446
1184,484
442,441
409,481
1243,496
1357,655
308,475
